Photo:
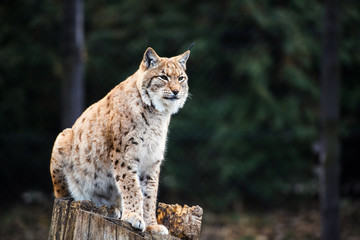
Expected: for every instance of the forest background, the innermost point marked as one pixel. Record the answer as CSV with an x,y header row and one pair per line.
x,y
246,138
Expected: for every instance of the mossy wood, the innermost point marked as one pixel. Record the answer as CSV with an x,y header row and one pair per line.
x,y
83,220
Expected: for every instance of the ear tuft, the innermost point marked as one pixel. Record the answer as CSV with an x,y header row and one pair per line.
x,y
182,59
150,59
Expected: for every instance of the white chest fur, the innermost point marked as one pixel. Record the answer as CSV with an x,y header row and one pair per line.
x,y
152,149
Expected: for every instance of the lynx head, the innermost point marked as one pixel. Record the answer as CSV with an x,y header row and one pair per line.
x,y
163,83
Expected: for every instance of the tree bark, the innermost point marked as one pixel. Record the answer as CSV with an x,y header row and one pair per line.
x,y
329,108
72,48
183,222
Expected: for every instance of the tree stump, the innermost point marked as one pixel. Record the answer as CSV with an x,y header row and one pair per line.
x,y
83,220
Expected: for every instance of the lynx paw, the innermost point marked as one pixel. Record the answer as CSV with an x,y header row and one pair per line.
x,y
117,213
161,229
135,220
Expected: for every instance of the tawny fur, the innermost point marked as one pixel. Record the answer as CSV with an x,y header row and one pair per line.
x,y
112,154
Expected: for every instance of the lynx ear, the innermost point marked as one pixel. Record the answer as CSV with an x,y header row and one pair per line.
x,y
150,59
182,59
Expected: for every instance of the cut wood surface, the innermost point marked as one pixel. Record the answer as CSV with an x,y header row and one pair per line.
x,y
83,220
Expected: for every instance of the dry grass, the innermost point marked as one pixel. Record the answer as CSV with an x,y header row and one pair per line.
x,y
25,222
28,222
274,225
279,224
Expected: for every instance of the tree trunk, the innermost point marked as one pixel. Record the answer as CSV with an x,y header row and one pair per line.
x,y
72,47
329,107
83,220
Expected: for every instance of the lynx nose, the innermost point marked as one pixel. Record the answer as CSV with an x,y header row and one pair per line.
x,y
175,91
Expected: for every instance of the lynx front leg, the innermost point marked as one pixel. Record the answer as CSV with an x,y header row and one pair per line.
x,y
126,175
149,185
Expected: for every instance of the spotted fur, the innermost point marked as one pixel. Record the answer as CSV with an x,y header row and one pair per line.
x,y
112,154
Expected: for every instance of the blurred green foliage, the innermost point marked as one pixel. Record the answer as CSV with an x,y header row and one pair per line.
x,y
244,135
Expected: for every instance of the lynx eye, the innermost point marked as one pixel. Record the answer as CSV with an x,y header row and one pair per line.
x,y
181,79
164,77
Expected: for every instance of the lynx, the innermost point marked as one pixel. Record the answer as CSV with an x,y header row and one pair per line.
x,y
112,154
